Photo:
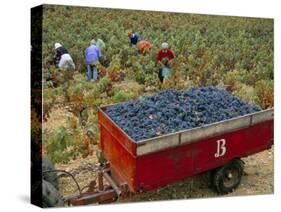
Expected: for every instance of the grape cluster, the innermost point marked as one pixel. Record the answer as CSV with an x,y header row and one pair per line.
x,y
170,110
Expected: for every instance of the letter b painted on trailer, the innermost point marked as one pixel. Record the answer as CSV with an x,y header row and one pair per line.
x,y
221,148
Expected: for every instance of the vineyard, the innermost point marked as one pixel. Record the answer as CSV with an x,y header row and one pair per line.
x,y
234,53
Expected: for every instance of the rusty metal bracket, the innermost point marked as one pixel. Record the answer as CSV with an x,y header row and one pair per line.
x,y
100,181
112,183
91,198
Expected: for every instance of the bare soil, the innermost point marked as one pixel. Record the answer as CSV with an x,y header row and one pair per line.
x,y
58,117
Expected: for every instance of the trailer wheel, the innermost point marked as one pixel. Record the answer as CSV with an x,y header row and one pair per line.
x,y
51,177
228,177
51,196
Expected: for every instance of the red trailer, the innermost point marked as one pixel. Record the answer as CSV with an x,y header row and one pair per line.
x,y
145,165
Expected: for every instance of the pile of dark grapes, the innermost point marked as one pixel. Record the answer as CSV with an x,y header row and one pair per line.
x,y
170,110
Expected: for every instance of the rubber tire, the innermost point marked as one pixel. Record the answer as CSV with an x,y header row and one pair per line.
x,y
51,177
51,196
218,175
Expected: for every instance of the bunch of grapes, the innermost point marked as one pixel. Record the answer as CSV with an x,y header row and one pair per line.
x,y
170,111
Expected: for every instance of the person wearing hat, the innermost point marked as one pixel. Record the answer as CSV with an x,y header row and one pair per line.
x,y
165,58
63,59
134,37
92,56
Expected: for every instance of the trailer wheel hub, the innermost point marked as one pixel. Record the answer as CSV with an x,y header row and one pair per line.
x,y
231,177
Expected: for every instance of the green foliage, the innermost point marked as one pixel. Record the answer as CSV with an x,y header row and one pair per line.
x,y
206,47
264,90
103,84
246,93
62,146
122,96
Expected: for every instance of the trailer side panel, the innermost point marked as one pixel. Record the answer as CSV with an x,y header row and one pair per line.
x,y
175,163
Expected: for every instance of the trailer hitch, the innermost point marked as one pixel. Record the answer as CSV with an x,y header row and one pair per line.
x,y
103,193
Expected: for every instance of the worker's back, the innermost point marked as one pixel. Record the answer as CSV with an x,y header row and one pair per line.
x,y
144,46
92,54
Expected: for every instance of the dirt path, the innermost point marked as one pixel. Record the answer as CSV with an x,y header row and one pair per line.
x,y
58,118
83,169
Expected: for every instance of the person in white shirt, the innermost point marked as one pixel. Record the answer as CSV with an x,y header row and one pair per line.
x,y
63,59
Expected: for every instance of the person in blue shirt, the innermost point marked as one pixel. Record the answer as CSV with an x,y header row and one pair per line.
x,y
92,56
134,37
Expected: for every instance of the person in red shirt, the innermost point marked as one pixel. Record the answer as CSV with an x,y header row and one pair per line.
x,y
165,59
